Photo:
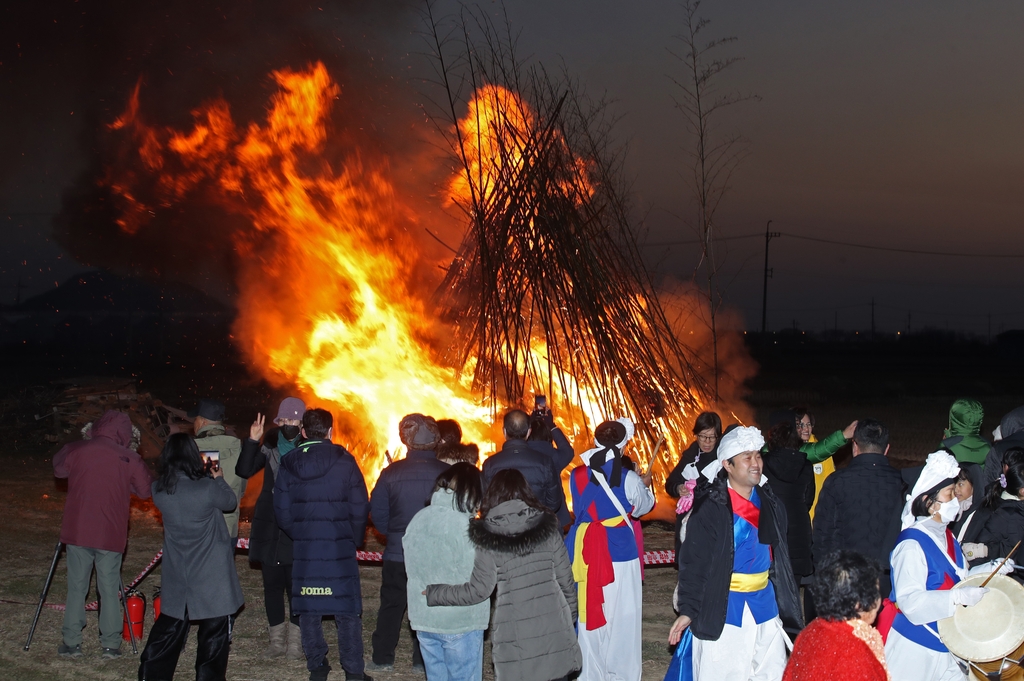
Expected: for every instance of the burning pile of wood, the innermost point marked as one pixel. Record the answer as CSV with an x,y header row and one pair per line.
x,y
547,292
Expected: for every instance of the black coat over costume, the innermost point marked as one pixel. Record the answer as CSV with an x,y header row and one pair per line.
x,y
706,561
791,477
267,543
321,502
691,454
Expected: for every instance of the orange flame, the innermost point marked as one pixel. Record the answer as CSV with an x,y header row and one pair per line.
x,y
324,302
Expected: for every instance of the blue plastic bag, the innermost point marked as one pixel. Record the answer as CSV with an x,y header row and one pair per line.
x,y
681,666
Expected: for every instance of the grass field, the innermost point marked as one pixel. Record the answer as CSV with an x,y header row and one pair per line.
x,y
33,508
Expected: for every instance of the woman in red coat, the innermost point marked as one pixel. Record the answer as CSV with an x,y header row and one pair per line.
x,y
841,644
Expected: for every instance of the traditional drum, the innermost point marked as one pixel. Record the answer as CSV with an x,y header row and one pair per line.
x,y
989,635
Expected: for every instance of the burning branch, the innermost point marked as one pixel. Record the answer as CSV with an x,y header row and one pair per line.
x,y
548,293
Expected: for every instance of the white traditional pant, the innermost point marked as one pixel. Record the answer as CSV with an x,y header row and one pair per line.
x,y
752,652
909,661
613,652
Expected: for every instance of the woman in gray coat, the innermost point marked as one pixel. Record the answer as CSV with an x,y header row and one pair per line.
x,y
519,549
199,581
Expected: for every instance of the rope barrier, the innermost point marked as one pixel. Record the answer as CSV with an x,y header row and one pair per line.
x,y
651,558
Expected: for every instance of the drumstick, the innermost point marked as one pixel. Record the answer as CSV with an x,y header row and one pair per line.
x,y
654,456
994,572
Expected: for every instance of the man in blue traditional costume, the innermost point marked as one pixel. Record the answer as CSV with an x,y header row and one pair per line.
x,y
736,596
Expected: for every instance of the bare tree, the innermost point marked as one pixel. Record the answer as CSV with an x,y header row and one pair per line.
x,y
715,156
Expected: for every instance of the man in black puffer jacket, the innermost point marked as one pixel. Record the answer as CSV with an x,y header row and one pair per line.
x,y
859,506
736,590
538,469
402,491
321,503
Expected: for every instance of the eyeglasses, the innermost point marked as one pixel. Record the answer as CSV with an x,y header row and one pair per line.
x,y
804,426
707,438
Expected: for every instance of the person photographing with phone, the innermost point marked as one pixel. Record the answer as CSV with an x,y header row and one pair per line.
x,y
199,584
548,439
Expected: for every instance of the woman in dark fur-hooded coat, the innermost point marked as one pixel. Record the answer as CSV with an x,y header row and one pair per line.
x,y
519,549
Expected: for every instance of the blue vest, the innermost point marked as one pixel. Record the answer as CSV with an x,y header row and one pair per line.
x,y
940,570
621,542
750,556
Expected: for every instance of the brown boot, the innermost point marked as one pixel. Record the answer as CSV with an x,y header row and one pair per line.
x,y
294,643
278,641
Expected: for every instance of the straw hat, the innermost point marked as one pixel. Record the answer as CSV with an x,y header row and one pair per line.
x,y
992,628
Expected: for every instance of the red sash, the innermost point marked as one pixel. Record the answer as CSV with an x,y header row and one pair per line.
x,y
745,508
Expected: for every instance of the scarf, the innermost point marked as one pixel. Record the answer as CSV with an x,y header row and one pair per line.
x,y
283,445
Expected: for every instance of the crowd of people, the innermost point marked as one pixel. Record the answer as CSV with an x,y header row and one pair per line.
x,y
787,568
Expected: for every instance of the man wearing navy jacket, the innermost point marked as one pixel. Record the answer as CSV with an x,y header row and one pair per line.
x,y
321,503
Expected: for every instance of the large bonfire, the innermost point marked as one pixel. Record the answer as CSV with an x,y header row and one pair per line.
x,y
546,295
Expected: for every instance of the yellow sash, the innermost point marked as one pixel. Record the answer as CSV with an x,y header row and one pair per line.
x,y
746,583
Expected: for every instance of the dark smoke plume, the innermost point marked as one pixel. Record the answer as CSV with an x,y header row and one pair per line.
x,y
187,52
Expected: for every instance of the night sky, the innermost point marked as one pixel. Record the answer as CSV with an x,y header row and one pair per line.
x,y
887,124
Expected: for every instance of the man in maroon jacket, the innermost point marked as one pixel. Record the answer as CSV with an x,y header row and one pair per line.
x,y
102,475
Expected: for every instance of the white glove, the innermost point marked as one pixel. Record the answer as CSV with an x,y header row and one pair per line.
x,y
987,568
690,472
975,551
968,595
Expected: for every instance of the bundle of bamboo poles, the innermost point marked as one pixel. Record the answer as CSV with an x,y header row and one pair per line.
x,y
548,293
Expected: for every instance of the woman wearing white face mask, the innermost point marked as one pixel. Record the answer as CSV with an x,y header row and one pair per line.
x,y
926,563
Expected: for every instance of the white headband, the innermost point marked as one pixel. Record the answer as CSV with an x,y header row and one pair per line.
x,y
598,447
736,441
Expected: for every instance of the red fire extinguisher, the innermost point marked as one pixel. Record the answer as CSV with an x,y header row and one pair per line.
x,y
135,603
156,605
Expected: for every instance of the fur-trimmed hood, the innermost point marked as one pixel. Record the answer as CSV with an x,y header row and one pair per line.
x,y
513,527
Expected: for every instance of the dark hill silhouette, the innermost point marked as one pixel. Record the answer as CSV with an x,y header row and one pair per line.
x,y
102,291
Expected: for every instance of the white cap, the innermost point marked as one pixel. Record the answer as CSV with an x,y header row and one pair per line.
x,y
939,466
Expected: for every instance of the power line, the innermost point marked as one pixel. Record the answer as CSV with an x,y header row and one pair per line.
x,y
851,244
902,250
700,241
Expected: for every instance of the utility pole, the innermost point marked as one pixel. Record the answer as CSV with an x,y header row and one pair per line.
x,y
872,319
768,236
